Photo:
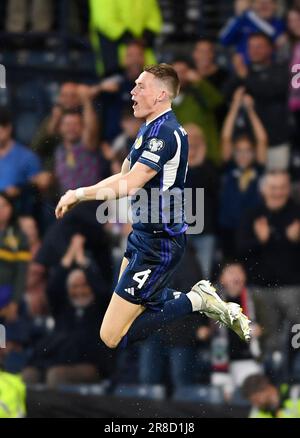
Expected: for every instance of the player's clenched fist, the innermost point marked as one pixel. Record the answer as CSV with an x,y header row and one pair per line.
x,y
66,202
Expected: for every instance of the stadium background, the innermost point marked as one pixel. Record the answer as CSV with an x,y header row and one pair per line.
x,y
65,121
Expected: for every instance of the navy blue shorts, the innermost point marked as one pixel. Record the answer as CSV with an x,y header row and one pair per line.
x,y
152,261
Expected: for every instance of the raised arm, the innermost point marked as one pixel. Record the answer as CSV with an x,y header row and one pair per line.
x,y
259,131
228,126
90,122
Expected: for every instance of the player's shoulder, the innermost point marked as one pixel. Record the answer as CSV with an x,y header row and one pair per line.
x,y
166,130
168,127
174,127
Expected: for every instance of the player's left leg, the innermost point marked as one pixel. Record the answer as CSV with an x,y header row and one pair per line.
x,y
202,298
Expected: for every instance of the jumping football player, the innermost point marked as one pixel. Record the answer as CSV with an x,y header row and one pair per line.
x,y
142,303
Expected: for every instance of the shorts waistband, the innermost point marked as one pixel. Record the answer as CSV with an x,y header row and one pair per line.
x,y
158,234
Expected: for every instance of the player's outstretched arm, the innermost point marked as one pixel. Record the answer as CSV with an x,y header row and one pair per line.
x,y
118,186
70,198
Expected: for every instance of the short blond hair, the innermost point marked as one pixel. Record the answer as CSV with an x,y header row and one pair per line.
x,y
167,74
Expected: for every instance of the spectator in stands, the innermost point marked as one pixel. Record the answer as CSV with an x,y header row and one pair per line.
x,y
267,82
268,401
20,168
71,352
231,359
242,358
244,161
197,103
204,56
39,12
77,162
35,295
202,173
205,59
269,245
252,17
14,257
71,96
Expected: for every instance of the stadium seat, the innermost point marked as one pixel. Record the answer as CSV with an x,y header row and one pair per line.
x,y
153,392
199,393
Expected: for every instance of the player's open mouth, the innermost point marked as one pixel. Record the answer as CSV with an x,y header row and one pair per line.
x,y
134,104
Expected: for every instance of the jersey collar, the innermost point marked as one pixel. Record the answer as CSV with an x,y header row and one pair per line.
x,y
159,115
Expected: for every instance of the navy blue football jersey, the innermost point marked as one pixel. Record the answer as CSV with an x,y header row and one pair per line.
x,y
162,145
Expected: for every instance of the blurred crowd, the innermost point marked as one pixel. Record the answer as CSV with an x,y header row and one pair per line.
x,y
240,104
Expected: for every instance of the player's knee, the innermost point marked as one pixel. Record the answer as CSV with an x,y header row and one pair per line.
x,y
109,339
109,342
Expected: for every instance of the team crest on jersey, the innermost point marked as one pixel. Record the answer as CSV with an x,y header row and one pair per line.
x,y
138,142
156,145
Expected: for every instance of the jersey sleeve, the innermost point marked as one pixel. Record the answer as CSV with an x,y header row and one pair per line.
x,y
159,149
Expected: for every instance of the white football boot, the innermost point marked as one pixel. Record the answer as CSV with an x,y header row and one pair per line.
x,y
229,314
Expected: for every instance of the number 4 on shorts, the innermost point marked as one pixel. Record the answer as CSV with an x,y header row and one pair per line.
x,y
141,277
